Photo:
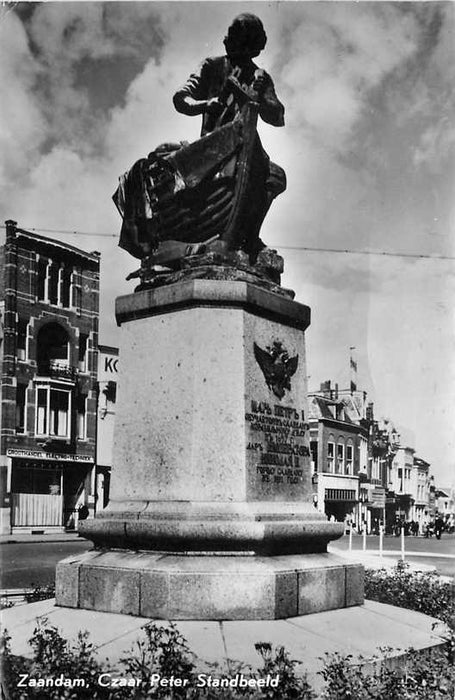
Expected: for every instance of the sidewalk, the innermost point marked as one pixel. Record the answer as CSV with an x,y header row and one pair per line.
x,y
50,537
371,560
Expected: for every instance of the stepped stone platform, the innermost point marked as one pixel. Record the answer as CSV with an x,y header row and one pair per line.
x,y
360,630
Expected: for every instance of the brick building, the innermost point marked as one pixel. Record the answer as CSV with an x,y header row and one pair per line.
x,y
49,303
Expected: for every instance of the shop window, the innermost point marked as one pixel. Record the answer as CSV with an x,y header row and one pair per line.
x,y
22,327
349,458
340,458
81,417
53,408
21,393
330,456
83,352
36,477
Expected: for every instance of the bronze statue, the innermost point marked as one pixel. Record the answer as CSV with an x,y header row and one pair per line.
x,y
185,200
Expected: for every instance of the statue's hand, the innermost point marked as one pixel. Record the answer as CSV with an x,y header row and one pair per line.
x,y
214,106
260,82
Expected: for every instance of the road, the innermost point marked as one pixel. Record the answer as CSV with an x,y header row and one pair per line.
x,y
438,553
29,564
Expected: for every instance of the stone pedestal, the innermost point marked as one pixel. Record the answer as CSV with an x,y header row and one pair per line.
x,y
211,494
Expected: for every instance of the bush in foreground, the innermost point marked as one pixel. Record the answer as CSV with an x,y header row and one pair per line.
x,y
165,652
424,592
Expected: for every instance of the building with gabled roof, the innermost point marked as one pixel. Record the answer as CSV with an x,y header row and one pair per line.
x,y
338,449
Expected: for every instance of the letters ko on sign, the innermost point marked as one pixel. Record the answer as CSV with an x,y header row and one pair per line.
x,y
110,364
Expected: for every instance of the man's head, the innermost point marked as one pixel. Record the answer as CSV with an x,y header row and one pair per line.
x,y
246,37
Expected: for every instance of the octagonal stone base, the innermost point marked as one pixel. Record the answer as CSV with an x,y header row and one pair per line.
x,y
166,586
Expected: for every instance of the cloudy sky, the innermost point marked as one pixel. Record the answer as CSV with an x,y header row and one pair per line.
x,y
368,148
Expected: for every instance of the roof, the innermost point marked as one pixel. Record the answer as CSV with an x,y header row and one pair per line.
x,y
94,256
319,407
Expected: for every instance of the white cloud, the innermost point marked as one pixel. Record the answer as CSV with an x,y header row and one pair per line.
x,y
367,99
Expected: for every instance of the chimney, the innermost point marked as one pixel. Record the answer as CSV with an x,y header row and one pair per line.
x,y
369,414
326,387
10,229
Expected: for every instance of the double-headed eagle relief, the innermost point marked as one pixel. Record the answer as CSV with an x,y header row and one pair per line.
x,y
188,207
277,367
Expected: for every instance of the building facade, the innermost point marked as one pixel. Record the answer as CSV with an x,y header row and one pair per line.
x,y
338,451
50,302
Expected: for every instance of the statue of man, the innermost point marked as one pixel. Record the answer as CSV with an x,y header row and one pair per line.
x,y
203,93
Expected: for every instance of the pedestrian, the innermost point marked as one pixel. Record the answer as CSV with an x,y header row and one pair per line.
x,y
438,527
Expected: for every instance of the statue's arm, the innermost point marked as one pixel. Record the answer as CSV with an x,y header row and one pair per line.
x,y
270,108
192,98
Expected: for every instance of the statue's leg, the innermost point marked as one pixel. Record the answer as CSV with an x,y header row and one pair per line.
x,y
268,183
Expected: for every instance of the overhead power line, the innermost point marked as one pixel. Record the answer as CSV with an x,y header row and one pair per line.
x,y
351,251
310,249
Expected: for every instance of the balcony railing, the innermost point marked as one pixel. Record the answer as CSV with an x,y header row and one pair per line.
x,y
57,370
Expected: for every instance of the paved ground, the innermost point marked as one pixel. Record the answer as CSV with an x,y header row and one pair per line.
x,y
31,564
367,630
418,550
30,560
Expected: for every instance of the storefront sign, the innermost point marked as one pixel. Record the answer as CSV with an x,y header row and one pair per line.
x,y
378,498
51,456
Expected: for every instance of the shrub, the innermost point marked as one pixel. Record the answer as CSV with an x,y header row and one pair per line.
x,y
163,650
417,677
424,592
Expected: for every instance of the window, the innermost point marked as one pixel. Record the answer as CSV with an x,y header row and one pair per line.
x,y
340,458
53,345
53,283
81,411
330,456
21,390
76,284
83,354
22,327
53,412
349,458
65,287
42,279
